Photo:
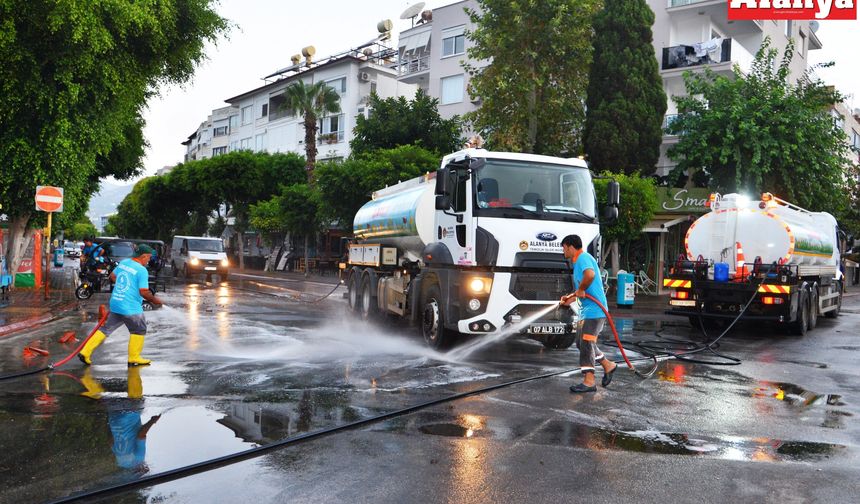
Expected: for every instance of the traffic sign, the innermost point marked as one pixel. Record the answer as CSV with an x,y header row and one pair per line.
x,y
49,199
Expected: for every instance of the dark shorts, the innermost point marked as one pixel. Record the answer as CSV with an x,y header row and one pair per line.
x,y
136,324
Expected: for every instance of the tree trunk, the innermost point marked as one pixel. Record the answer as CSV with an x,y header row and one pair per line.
x,y
616,259
307,256
19,238
310,145
241,235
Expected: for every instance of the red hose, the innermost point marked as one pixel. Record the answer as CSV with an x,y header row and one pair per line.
x,y
618,341
103,314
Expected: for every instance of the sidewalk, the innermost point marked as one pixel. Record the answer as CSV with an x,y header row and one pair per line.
x,y
27,307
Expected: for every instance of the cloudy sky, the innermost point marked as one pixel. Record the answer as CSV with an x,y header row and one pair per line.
x,y
267,32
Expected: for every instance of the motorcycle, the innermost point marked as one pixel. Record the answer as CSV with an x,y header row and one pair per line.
x,y
93,279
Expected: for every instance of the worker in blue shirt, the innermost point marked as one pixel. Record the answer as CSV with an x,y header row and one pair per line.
x,y
92,254
586,280
131,287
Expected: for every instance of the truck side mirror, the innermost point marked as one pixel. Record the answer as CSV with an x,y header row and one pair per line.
x,y
613,194
442,182
443,202
610,215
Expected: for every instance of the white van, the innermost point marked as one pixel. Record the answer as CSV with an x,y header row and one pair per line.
x,y
197,254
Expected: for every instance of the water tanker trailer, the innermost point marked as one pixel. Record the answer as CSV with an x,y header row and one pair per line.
x,y
776,259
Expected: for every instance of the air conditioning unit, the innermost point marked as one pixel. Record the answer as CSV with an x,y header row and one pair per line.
x,y
364,76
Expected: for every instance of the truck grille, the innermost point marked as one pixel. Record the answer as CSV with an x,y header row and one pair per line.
x,y
540,286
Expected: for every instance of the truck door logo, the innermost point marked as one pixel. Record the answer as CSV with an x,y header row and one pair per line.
x,y
524,245
547,237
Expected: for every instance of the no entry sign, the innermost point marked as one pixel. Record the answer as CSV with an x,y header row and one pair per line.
x,y
49,199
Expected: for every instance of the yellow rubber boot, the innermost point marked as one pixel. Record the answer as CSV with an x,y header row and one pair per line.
x,y
135,384
94,388
135,346
91,345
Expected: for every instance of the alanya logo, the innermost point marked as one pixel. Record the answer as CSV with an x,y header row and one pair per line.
x,y
792,9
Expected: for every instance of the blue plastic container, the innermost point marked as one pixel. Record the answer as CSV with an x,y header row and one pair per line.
x,y
58,257
626,290
721,272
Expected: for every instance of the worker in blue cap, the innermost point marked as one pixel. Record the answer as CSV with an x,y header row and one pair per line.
x,y
131,287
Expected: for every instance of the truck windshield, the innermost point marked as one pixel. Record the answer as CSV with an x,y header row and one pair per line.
x,y
205,245
534,188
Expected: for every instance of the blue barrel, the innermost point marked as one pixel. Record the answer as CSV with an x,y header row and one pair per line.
x,y
58,257
626,290
721,272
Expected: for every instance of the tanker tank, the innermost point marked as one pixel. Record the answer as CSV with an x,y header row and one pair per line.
x,y
400,216
767,229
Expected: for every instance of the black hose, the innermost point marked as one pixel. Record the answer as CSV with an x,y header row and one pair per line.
x,y
208,465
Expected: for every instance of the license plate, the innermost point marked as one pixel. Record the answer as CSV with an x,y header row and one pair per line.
x,y
545,329
210,268
682,302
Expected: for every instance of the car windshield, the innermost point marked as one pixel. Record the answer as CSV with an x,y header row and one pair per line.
x,y
535,187
205,245
120,250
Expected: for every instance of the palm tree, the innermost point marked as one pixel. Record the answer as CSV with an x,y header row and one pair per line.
x,y
311,102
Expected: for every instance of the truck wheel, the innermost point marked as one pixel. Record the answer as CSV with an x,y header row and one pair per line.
x,y
353,290
801,325
433,320
813,306
368,300
559,341
835,313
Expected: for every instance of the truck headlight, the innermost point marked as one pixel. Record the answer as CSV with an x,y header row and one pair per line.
x,y
478,285
225,262
195,261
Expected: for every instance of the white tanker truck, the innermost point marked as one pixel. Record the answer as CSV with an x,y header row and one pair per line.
x,y
476,245
785,256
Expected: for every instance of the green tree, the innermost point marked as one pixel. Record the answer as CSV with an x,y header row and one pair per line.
x,y
762,132
300,209
74,77
345,186
311,102
533,90
626,102
398,121
80,230
638,205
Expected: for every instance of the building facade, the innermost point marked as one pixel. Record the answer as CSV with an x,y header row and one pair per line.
x,y
694,34
431,55
258,120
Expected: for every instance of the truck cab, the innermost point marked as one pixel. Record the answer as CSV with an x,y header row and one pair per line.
x,y
487,254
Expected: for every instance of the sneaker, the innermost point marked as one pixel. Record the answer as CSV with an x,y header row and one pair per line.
x,y
581,388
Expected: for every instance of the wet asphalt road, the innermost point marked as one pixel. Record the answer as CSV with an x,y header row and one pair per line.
x,y
235,368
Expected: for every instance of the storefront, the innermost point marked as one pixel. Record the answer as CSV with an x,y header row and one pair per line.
x,y
662,239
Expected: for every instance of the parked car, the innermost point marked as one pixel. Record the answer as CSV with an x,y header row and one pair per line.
x,y
191,255
71,249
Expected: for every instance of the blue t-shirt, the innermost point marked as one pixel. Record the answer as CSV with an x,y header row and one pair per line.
x,y
131,276
129,450
586,261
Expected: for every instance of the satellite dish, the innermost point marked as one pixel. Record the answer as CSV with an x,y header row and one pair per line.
x,y
813,26
412,11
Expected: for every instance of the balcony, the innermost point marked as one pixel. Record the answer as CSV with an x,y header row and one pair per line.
x,y
415,64
716,11
330,138
719,54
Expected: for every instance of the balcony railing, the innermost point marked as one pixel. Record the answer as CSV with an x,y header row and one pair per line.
x,y
706,53
414,65
330,138
678,3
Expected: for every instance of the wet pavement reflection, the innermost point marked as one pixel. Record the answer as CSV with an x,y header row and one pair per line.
x,y
233,369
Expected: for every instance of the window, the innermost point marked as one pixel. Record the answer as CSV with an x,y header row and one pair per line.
x,y
260,142
265,111
234,122
247,114
452,89
855,140
372,87
245,144
331,129
277,107
838,119
453,41
788,28
234,146
217,151
220,131
338,85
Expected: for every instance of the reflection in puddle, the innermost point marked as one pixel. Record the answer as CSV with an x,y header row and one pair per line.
x,y
796,395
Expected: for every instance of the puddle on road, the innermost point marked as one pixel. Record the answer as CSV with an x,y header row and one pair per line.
x,y
796,396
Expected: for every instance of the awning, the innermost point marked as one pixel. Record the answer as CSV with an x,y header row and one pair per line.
x,y
662,225
415,40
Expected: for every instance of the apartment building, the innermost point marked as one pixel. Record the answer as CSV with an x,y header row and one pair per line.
x,y
694,34
431,54
849,121
258,119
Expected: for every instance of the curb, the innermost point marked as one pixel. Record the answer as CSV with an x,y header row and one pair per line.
x,y
37,320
